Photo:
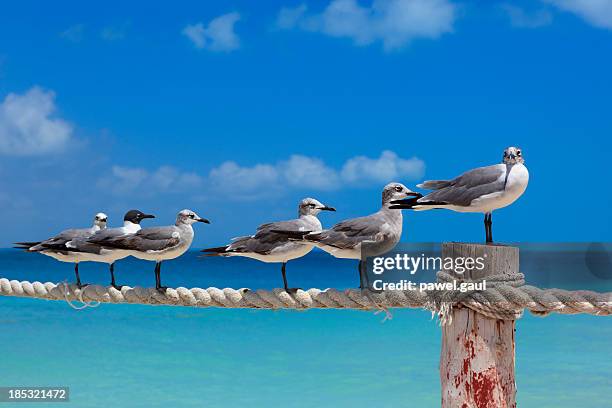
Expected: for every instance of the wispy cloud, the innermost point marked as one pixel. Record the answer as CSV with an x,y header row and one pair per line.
x,y
395,23
73,33
297,172
290,17
595,12
166,179
28,125
303,172
523,19
385,168
114,33
218,35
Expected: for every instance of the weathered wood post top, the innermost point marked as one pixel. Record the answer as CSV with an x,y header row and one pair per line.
x,y
477,356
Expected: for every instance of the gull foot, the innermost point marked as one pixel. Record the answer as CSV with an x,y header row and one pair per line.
x,y
292,290
118,287
162,289
82,285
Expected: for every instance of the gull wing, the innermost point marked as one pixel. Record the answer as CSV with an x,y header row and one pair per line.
x,y
350,233
467,187
266,239
146,239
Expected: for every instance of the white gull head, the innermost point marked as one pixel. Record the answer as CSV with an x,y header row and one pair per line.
x,y
310,206
513,155
100,220
396,191
188,217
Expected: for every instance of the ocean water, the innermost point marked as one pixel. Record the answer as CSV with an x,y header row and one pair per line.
x,y
148,356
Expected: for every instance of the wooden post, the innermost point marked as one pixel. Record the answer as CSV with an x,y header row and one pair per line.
x,y
477,358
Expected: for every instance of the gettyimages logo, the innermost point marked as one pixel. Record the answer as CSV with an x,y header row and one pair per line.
x,y
397,272
411,264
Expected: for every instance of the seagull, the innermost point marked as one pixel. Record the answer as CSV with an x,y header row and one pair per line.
x,y
158,243
481,190
55,247
273,247
377,233
90,247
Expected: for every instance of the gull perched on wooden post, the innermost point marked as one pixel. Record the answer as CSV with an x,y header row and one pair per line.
x,y
269,246
55,247
158,243
481,190
380,231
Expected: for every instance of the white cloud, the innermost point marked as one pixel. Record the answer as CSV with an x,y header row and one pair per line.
x,y
388,167
289,17
308,172
296,172
114,33
393,22
122,180
73,33
596,12
312,173
523,19
219,35
28,125
231,176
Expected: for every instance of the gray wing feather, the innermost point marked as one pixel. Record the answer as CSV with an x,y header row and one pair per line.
x,y
434,184
62,238
467,187
82,245
265,241
350,233
146,239
106,234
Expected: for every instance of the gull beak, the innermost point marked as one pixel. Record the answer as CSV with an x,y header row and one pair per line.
x,y
204,220
326,208
148,216
406,203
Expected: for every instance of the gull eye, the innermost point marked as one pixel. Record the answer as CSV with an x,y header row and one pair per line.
x,y
518,152
398,188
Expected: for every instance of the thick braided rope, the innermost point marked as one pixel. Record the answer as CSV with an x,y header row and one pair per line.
x,y
500,302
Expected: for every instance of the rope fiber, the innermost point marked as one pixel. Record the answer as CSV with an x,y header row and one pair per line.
x,y
505,297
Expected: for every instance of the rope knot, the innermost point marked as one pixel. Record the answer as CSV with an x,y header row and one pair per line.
x,y
486,295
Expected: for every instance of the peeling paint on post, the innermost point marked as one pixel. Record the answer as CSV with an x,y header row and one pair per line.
x,y
477,358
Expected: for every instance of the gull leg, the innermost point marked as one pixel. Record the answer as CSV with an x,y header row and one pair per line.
x,y
360,270
287,289
491,228
284,275
111,268
487,223
158,285
78,278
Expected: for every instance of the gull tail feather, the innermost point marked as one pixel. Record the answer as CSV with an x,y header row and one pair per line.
x,y
25,245
216,251
434,184
293,235
412,203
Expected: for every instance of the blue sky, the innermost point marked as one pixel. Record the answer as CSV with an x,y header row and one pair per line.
x,y
239,110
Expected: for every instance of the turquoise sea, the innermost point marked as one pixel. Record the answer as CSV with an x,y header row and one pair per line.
x,y
148,356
